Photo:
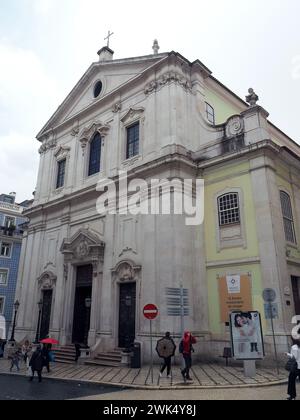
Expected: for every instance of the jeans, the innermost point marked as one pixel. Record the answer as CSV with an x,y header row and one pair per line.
x,y
188,364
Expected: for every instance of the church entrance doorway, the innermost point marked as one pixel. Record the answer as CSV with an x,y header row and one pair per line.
x,y
82,306
46,313
296,294
127,314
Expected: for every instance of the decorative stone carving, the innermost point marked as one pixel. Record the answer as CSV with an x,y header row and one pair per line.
x,y
117,107
47,281
132,114
84,246
82,250
155,47
75,129
126,271
49,143
88,132
62,152
234,126
252,98
168,78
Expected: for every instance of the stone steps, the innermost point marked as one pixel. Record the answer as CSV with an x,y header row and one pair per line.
x,y
65,354
109,359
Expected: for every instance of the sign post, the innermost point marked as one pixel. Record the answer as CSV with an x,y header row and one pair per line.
x,y
151,312
269,296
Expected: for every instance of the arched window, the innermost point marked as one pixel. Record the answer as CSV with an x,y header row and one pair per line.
x,y
95,155
288,219
229,209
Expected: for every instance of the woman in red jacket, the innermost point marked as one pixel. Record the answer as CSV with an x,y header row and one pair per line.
x,y
186,349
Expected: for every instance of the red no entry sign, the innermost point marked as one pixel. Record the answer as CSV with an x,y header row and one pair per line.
x,y
150,311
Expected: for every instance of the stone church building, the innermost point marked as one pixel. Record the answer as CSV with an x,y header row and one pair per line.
x,y
158,116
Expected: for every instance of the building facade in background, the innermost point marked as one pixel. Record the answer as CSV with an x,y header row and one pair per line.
x,y
11,233
160,116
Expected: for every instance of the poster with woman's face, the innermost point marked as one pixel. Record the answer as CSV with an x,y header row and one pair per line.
x,y
246,336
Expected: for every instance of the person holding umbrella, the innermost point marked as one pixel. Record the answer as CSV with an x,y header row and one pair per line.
x,y
166,350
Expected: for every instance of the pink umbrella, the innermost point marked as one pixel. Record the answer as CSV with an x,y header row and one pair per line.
x,y
49,341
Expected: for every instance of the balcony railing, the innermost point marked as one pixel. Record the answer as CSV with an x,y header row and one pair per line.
x,y
12,207
11,231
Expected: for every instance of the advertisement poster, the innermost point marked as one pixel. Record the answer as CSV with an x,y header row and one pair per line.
x,y
235,295
246,336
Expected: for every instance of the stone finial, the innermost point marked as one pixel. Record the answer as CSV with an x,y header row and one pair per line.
x,y
252,98
155,47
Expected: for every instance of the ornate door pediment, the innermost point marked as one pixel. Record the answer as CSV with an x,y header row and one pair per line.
x,y
84,246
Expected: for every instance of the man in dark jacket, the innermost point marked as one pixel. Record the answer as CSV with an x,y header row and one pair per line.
x,y
36,363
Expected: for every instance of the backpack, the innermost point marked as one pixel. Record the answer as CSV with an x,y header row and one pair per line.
x,y
291,365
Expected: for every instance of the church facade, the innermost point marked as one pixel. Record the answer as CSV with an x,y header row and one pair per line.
x,y
159,117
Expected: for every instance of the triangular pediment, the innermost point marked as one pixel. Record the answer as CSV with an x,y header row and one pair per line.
x,y
113,75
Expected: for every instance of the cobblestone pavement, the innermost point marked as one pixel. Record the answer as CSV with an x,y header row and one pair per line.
x,y
204,376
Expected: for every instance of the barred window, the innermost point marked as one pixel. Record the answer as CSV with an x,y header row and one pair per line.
x,y
133,141
229,209
3,277
61,171
288,219
210,113
95,155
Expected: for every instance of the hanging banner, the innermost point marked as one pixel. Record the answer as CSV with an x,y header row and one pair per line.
x,y
235,294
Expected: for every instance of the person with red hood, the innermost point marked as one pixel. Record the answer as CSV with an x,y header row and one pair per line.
x,y
186,349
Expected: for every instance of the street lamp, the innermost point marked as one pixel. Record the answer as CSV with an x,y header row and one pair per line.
x,y
16,306
37,337
88,305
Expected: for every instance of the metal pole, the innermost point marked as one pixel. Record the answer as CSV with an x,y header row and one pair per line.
x,y
38,329
12,339
274,340
151,344
182,318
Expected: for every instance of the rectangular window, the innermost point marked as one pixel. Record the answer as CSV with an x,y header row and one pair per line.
x,y
288,219
9,221
3,277
210,113
133,141
229,209
2,303
61,174
5,250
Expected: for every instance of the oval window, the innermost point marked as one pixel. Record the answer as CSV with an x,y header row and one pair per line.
x,y
97,89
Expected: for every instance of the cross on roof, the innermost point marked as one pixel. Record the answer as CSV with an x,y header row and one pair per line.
x,y
108,37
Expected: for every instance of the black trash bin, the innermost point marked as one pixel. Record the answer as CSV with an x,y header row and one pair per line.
x,y
136,362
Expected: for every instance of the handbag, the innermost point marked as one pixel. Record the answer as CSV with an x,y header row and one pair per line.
x,y
291,365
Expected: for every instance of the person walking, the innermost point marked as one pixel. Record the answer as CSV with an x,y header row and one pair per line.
x,y
295,370
167,360
16,357
36,363
46,356
186,349
25,351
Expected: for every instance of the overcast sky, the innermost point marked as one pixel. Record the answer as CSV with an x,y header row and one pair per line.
x,y
47,45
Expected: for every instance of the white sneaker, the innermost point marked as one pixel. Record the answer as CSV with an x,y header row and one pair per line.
x,y
169,377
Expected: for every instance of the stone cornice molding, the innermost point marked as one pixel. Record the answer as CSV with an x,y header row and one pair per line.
x,y
49,142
